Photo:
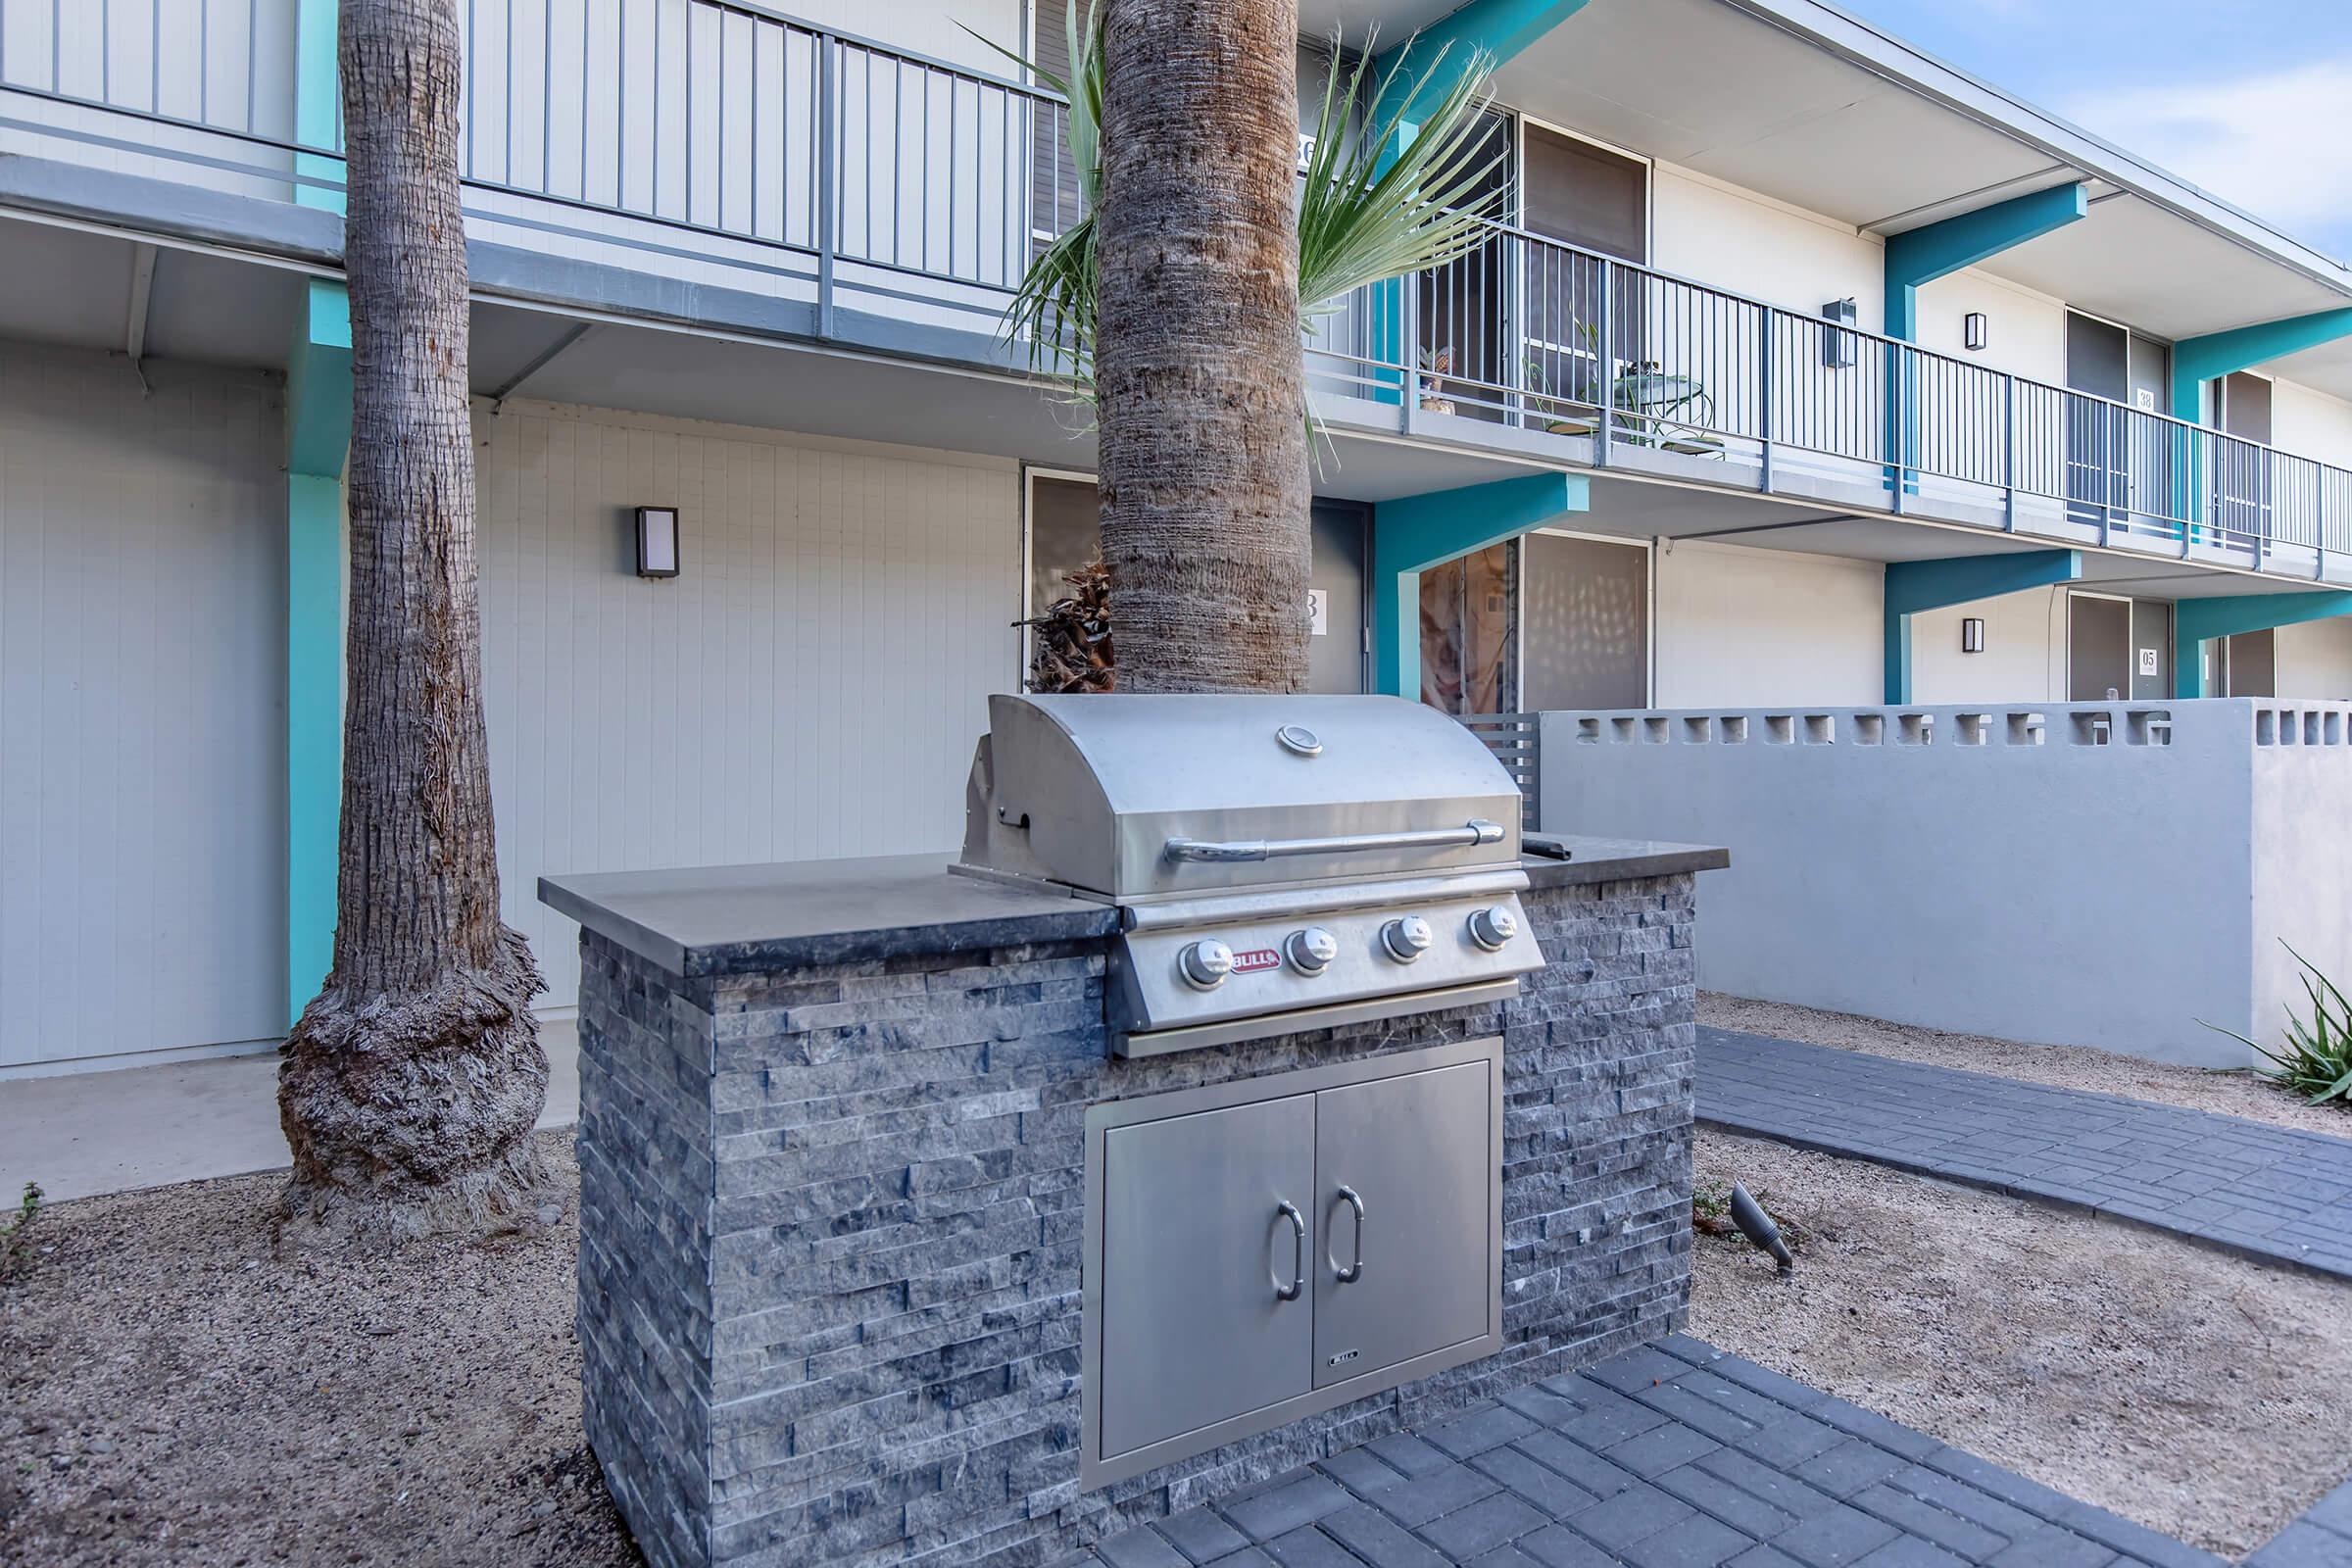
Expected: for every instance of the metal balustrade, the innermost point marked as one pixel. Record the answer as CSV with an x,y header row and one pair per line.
x,y
719,134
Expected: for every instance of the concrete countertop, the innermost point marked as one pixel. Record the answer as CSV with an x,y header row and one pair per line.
x,y
1598,860
703,921
744,919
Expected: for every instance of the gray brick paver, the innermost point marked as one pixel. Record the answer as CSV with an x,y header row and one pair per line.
x,y
1822,1482
2271,1193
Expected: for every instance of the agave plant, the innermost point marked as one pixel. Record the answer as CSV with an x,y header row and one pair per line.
x,y
2317,1061
1397,197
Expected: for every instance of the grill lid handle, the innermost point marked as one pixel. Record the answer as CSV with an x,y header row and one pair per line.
x,y
1472,834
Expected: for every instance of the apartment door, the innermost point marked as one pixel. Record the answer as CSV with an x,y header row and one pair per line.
x,y
1336,655
1598,200
2149,450
1584,615
2099,647
2248,666
2243,472
2099,368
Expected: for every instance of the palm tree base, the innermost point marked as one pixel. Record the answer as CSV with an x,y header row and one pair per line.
x,y
411,1114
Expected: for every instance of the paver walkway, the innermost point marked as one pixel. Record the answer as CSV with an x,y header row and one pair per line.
x,y
2321,1539
1676,1455
2276,1194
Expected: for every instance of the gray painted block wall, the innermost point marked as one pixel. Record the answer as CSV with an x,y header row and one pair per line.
x,y
830,1231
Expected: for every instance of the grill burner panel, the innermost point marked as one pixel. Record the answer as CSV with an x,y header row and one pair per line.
x,y
1280,862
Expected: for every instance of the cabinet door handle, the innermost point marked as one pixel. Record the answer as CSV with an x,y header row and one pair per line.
x,y
1290,1291
1356,1270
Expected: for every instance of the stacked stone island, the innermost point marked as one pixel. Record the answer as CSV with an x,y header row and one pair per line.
x,y
832,1192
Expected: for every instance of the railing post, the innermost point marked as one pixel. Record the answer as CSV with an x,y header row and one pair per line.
x,y
827,186
1764,401
1606,353
2009,452
1408,353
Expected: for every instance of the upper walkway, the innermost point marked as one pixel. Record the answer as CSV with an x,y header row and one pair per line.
x,y
2278,1194
720,166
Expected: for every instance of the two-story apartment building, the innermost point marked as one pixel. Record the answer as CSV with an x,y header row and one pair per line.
x,y
1790,351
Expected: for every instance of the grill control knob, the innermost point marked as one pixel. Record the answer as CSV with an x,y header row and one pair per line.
x,y
1310,950
1493,928
1204,964
1406,938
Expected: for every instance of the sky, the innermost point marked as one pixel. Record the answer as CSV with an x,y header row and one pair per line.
x,y
2249,99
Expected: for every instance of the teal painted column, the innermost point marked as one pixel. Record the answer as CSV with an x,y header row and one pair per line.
x,y
1415,534
1489,31
1918,257
1915,586
317,436
2198,621
2200,362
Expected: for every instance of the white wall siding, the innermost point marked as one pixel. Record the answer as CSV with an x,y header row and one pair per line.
x,y
2315,661
809,685
2311,424
1704,229
142,680
1738,625
2024,659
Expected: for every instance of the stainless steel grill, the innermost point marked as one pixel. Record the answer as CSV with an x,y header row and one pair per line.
x,y
1281,862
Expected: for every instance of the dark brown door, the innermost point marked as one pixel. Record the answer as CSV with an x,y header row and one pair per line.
x,y
2099,647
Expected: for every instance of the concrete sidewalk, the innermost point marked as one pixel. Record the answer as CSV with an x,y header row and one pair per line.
x,y
84,1134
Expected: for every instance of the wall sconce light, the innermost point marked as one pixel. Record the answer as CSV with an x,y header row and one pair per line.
x,y
1838,348
1972,332
1972,635
657,541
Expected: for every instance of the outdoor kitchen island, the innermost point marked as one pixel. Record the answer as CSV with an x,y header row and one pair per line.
x,y
886,1254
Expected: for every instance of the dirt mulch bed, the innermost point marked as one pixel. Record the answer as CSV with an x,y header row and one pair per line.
x,y
2199,1394
172,1391
2104,1072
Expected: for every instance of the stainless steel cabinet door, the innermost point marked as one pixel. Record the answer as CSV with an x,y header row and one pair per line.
x,y
1405,1170
1197,1252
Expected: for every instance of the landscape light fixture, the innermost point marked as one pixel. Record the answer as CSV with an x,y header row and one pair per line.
x,y
1972,635
1974,331
1757,1226
657,541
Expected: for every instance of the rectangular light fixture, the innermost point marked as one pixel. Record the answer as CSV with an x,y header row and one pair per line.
x,y
1838,348
1974,331
1972,635
657,541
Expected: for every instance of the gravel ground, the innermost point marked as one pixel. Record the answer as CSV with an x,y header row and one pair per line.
x,y
2200,1395
170,1392
2229,1093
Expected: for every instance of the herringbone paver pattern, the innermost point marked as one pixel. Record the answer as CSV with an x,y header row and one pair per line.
x,y
1674,1455
2276,1194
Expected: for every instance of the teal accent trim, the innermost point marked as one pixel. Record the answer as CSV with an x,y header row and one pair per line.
x,y
317,438
2198,621
1496,30
1918,257
317,102
318,384
1914,586
2199,361
1412,534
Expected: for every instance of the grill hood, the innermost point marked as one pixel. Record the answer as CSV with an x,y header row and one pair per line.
x,y
1091,791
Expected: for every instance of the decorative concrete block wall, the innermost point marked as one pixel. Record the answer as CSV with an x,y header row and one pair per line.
x,y
2110,874
831,1229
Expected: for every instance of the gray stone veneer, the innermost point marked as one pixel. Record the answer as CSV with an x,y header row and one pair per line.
x,y
830,1230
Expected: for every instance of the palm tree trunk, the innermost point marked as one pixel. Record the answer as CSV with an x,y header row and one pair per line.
x,y
411,1082
1199,381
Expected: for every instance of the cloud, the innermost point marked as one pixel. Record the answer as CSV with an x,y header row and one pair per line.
x,y
2277,144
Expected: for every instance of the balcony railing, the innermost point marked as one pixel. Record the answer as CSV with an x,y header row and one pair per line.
x,y
716,135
